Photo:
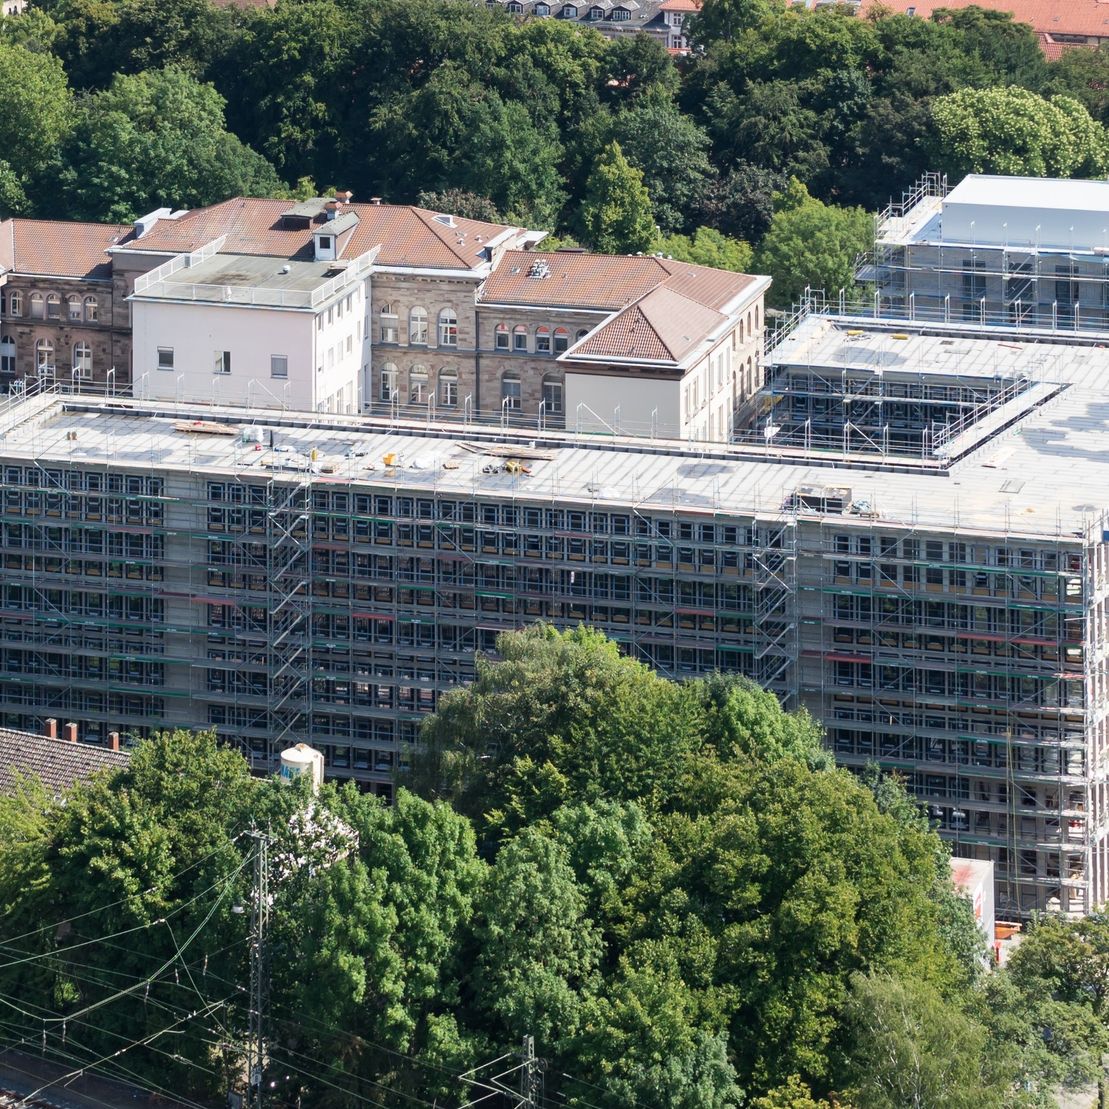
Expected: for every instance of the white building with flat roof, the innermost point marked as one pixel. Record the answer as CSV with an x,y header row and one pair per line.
x,y
1001,251
253,330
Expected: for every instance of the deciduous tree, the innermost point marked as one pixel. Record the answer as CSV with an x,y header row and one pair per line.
x,y
616,214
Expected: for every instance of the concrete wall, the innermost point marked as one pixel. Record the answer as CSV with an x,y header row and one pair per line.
x,y
195,331
646,406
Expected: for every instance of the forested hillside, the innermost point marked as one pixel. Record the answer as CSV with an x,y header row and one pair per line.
x,y
670,886
114,107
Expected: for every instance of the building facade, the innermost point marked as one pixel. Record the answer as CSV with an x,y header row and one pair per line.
x,y
996,251
941,610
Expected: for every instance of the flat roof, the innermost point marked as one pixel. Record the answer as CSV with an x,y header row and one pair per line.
x,y
250,279
994,190
1046,478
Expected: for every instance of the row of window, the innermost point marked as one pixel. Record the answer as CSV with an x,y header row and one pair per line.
x,y
418,326
594,14
45,357
540,340
49,307
421,391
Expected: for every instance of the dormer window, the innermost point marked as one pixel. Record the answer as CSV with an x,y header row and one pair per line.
x,y
569,11
542,9
620,14
596,13
515,7
325,247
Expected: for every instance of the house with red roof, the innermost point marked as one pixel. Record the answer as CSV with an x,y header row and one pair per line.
x,y
1059,24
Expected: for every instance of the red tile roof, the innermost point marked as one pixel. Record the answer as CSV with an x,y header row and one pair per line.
x,y
663,326
1060,17
58,765
408,236
680,6
602,281
59,248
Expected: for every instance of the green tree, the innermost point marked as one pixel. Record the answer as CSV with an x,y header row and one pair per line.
x,y
37,109
642,1042
616,213
153,139
459,202
707,247
811,243
907,1046
740,204
725,20
1083,75
538,949
670,149
1014,131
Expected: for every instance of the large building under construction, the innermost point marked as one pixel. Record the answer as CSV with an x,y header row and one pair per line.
x,y
910,541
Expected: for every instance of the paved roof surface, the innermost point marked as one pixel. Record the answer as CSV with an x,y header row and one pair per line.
x,y
408,236
1031,192
1063,17
56,763
60,248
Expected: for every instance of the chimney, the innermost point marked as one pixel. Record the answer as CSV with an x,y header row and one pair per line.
x,y
331,209
113,741
70,733
50,728
344,197
376,201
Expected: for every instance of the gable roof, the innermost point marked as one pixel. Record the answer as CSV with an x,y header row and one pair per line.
x,y
60,248
408,236
572,279
1062,17
57,764
663,326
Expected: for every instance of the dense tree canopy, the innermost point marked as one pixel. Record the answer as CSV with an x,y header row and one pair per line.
x,y
670,886
518,116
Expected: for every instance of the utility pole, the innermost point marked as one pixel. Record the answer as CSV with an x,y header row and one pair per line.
x,y
531,1079
259,972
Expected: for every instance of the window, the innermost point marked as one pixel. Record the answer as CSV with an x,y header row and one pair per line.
x,y
44,357
448,387
388,384
596,13
510,392
389,324
222,362
325,242
569,11
417,385
73,308
82,359
15,303
7,355
92,310
500,336
53,306
37,310
279,365
417,326
520,337
582,334
448,328
552,394
542,9
542,340
561,340
620,14
165,358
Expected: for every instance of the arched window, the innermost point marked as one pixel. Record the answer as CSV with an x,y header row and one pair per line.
x,y
15,303
37,310
44,358
7,355
756,316
748,323
500,337
82,359
552,395
448,386
417,385
53,306
582,334
389,324
520,337
741,331
417,326
542,339
448,328
92,310
73,308
561,340
510,391
388,384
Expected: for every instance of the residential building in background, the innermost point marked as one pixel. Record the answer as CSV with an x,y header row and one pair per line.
x,y
936,594
327,304
660,19
998,251
1059,24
